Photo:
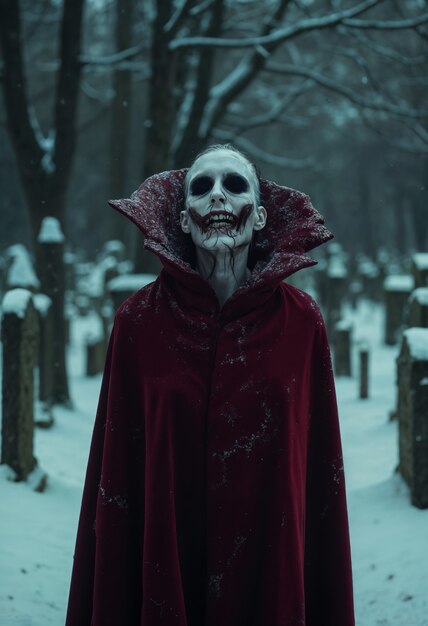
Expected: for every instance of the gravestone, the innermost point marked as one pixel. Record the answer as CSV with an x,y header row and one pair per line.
x,y
21,272
95,342
19,337
43,306
418,308
420,269
397,288
412,413
122,287
334,291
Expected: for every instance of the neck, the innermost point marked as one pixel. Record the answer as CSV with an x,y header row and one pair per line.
x,y
228,274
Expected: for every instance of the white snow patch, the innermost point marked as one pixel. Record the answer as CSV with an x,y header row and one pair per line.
x,y
50,231
344,325
42,303
130,282
420,259
398,282
16,301
336,268
417,340
420,295
21,272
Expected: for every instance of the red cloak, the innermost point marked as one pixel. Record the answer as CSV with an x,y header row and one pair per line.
x,y
214,493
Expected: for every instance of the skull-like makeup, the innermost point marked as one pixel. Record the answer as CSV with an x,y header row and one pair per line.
x,y
221,202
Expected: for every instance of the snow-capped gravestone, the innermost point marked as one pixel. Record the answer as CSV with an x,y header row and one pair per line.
x,y
418,308
412,412
334,290
420,269
397,288
123,287
95,346
19,337
113,248
371,278
21,273
342,348
52,279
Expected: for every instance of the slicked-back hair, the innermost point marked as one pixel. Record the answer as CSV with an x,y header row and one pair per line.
x,y
216,147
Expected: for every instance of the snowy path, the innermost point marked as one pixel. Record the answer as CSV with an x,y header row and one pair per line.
x,y
389,537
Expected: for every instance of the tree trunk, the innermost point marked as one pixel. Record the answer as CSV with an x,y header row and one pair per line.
x,y
160,119
44,166
121,121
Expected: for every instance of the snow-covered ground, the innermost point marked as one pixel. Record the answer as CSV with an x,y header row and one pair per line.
x,y
389,537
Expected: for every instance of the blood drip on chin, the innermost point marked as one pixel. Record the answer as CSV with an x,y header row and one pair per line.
x,y
243,216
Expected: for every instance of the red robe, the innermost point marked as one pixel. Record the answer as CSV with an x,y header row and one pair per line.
x,y
214,493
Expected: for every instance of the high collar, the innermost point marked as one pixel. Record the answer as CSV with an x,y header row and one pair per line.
x,y
293,228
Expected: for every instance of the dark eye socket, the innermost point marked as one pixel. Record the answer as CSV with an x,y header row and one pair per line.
x,y
235,183
201,185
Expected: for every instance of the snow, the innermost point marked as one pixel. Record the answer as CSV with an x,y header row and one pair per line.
x,y
417,340
420,295
42,303
130,282
420,259
398,282
336,268
16,301
389,537
50,231
21,272
343,325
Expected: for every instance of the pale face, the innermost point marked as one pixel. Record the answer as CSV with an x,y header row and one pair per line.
x,y
221,209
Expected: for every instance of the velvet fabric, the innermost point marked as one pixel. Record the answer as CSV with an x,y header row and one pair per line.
x,y
215,492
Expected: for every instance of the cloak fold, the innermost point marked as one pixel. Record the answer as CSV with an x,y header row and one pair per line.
x,y
214,493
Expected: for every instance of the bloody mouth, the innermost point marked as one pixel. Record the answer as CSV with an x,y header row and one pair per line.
x,y
221,220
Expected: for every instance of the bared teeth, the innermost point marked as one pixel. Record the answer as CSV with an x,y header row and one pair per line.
x,y
221,219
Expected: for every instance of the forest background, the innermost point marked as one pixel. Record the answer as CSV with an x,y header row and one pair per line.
x,y
327,96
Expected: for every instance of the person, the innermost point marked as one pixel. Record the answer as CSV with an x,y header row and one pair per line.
x,y
215,491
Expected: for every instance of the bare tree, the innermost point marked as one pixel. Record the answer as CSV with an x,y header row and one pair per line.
x,y
44,161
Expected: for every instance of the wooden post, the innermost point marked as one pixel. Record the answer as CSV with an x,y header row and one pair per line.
x,y
397,288
364,371
412,412
342,348
19,336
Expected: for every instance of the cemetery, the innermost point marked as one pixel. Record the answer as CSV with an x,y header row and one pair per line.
x,y
230,506
379,339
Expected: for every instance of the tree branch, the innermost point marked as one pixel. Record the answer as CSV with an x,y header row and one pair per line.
x,y
352,96
384,51
116,57
410,22
261,155
279,35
